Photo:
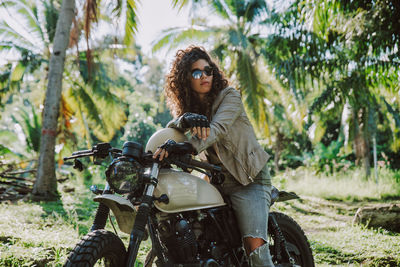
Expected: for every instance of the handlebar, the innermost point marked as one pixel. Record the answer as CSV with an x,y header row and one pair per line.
x,y
102,150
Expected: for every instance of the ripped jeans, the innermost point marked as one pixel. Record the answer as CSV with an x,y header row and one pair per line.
x,y
251,205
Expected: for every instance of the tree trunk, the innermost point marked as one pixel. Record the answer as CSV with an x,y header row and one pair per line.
x,y
278,150
361,141
45,187
383,215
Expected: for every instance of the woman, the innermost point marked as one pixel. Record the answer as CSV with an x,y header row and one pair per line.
x,y
202,102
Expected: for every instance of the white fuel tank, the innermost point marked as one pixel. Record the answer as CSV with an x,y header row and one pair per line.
x,y
185,192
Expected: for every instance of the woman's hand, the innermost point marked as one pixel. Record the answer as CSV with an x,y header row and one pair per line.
x,y
170,146
198,124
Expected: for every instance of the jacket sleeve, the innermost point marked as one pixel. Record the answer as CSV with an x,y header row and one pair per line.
x,y
228,111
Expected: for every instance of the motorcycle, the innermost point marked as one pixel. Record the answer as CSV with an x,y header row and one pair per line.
x,y
189,221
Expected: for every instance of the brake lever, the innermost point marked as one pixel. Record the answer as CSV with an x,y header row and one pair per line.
x,y
78,165
101,150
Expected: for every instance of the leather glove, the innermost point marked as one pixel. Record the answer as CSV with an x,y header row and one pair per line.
x,y
178,148
190,120
172,147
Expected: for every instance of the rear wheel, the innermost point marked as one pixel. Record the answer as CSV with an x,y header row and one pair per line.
x,y
98,248
296,241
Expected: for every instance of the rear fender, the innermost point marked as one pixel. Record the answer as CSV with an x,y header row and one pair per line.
x,y
280,196
123,210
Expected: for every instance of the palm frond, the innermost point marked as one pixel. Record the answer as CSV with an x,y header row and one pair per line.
x,y
33,127
131,22
237,38
253,91
316,131
395,113
223,8
24,22
11,37
16,75
51,17
255,9
86,103
179,3
113,117
173,37
220,51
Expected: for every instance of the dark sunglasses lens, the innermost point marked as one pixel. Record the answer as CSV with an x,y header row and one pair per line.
x,y
208,71
197,74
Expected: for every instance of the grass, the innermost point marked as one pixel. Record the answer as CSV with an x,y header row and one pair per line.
x,y
336,240
326,211
43,234
348,186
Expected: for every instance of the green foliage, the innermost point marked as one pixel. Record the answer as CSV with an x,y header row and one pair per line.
x,y
139,131
32,126
328,159
4,150
140,125
322,51
131,21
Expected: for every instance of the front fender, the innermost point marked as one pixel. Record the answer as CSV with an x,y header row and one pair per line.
x,y
123,210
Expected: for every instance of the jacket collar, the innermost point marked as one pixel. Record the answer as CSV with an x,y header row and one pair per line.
x,y
219,98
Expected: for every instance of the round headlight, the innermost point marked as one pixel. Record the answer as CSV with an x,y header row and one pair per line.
x,y
124,175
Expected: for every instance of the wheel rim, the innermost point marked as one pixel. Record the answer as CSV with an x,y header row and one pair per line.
x,y
294,252
106,261
292,247
103,262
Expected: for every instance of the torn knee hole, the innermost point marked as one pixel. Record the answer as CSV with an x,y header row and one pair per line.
x,y
252,243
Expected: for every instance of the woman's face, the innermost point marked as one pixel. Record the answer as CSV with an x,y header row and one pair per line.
x,y
201,77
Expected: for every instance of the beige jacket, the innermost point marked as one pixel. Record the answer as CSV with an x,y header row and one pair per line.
x,y
232,136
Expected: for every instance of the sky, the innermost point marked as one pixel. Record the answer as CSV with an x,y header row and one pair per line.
x,y
155,16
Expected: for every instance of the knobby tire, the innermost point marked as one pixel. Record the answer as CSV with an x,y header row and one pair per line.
x,y
97,245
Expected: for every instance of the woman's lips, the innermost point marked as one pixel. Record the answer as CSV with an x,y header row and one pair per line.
x,y
204,83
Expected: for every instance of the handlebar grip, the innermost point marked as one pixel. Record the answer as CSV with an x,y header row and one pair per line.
x,y
75,156
82,152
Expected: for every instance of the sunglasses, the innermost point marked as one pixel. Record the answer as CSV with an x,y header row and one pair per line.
x,y
196,73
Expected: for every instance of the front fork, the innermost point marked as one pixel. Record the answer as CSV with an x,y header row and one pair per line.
x,y
102,212
142,217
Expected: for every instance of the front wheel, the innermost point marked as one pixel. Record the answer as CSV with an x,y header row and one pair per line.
x,y
296,241
98,248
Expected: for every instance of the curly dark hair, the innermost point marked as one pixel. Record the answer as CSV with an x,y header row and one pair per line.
x,y
180,96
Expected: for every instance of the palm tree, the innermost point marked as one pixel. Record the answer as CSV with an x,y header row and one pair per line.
x,y
45,186
370,53
286,119
37,21
341,65
26,31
